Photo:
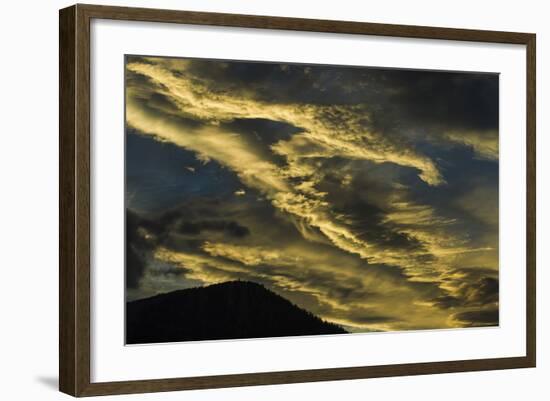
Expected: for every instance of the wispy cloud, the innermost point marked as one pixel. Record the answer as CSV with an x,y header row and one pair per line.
x,y
369,252
484,143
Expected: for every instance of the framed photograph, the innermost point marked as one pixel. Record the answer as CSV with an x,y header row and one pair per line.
x,y
250,200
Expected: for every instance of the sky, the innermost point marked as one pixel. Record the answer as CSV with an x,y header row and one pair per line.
x,y
367,196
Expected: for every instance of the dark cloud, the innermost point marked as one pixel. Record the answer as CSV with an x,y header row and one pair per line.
x,y
481,292
168,271
399,98
260,134
369,319
450,99
135,266
368,222
477,318
474,273
183,227
264,131
137,249
368,234
230,228
365,202
478,287
447,301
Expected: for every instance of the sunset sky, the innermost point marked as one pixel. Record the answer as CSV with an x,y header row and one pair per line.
x,y
366,196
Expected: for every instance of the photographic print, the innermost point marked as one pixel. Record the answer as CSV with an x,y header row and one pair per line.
x,y
269,199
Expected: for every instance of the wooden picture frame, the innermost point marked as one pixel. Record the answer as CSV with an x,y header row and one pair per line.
x,y
74,205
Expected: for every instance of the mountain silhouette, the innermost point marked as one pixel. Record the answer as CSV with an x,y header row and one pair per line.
x,y
229,310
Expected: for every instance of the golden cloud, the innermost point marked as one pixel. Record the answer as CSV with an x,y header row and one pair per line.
x,y
326,132
484,143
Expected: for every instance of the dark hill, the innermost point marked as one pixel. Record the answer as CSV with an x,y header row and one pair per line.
x,y
230,310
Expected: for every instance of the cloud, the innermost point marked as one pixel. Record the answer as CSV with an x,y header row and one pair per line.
x,y
447,301
320,288
483,292
472,288
335,284
441,101
329,131
318,277
335,130
482,203
484,143
477,318
247,255
137,249
341,206
232,228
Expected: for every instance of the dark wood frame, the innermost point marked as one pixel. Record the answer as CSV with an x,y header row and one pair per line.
x,y
74,203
